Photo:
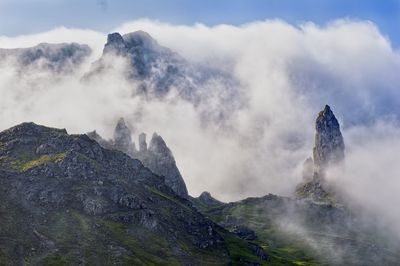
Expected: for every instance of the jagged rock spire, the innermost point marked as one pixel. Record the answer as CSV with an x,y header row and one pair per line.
x,y
328,150
329,144
160,160
122,137
142,142
157,156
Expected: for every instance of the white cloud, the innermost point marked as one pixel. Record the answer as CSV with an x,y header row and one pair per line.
x,y
287,74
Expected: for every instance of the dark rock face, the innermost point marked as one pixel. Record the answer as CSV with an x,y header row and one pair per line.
x,y
157,157
122,138
142,143
66,200
56,57
207,199
329,144
328,151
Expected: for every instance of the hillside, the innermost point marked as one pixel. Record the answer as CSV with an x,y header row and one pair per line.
x,y
65,200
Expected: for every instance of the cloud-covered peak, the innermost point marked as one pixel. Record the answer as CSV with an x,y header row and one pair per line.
x,y
45,56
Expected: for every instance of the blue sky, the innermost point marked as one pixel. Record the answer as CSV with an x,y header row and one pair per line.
x,y
30,16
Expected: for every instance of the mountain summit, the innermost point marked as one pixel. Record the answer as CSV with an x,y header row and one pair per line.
x,y
328,151
329,144
65,200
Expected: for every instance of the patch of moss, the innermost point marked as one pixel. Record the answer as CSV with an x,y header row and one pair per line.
x,y
282,249
3,259
153,251
165,196
239,251
25,166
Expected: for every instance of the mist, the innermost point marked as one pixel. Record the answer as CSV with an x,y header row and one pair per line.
x,y
286,74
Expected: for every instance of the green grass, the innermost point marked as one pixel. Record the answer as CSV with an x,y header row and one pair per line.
x,y
25,165
151,250
239,250
167,197
282,248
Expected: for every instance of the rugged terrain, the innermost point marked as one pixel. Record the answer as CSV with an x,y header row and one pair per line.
x,y
65,200
84,200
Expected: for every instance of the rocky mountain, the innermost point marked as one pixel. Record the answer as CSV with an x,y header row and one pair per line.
x,y
63,57
157,156
328,151
159,70
65,200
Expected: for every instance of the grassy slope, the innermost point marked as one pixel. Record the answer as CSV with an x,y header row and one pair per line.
x,y
81,238
283,249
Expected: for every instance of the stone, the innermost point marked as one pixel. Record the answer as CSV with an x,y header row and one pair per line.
x,y
122,138
142,142
329,144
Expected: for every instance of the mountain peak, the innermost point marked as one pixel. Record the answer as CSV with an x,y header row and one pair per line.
x,y
139,38
30,129
157,144
115,44
156,156
123,138
329,144
207,199
142,142
328,150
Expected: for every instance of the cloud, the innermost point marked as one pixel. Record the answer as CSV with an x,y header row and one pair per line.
x,y
287,73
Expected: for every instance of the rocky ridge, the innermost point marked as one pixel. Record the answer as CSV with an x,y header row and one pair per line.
x,y
63,57
65,200
156,156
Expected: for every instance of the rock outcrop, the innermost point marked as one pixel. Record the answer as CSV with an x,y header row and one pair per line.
x,y
157,156
142,142
328,151
123,138
159,159
208,200
329,144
